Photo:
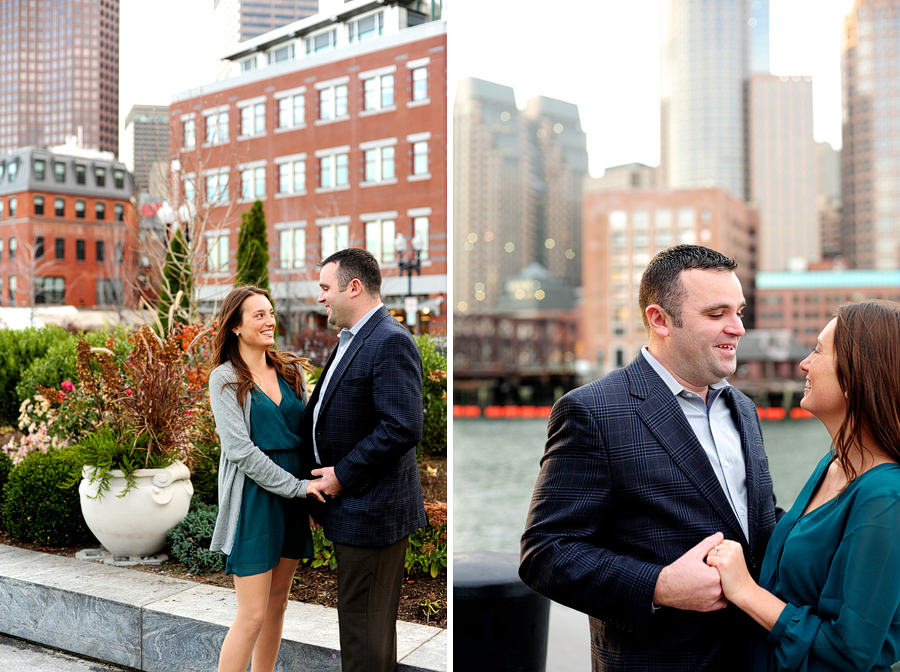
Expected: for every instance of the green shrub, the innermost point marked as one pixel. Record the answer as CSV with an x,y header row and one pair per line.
x,y
426,554
37,508
323,551
6,466
190,539
434,399
18,349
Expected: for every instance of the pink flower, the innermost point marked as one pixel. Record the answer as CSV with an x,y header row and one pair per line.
x,y
67,385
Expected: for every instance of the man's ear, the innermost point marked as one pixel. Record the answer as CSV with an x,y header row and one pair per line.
x,y
659,319
355,287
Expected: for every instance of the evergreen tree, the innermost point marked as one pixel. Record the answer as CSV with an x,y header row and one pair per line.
x,y
253,249
176,277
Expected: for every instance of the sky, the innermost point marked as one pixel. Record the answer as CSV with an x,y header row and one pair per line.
x,y
602,55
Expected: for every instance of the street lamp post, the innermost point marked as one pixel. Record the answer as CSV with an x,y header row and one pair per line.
x,y
410,265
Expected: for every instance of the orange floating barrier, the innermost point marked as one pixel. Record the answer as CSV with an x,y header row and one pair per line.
x,y
775,413
800,414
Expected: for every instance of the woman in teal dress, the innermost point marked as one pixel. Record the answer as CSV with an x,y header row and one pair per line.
x,y
257,394
829,589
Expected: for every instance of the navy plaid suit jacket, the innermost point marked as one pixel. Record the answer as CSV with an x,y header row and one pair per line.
x,y
369,425
625,488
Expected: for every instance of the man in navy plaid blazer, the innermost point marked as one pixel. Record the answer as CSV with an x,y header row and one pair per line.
x,y
362,426
646,471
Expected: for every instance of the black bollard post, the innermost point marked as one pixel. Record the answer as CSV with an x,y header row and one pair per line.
x,y
499,623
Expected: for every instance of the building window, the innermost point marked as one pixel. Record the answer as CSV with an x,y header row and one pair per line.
x,y
190,133
420,229
49,290
292,248
12,249
119,178
253,119
12,289
110,292
333,170
292,111
40,169
420,83
59,207
292,177
79,250
379,164
366,28
120,252
13,203
321,42
38,205
190,189
11,170
253,183
334,237
100,211
80,174
217,128
217,189
217,253
60,244
1,208
119,211
100,176
378,92
79,209
59,170
285,53
39,247
420,158
1,249
248,64
380,236
101,251
333,102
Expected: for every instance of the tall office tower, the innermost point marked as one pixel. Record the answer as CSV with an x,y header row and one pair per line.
x,y
145,142
517,190
784,171
828,200
237,20
59,73
704,66
870,158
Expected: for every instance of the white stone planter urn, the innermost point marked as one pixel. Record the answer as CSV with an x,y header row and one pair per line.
x,y
135,525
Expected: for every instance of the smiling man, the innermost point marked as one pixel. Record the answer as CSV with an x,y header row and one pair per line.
x,y
646,471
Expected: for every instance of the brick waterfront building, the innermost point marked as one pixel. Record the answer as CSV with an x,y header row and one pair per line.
x,y
338,124
64,229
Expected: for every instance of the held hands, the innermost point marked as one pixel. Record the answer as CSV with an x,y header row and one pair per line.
x,y
729,560
688,583
312,490
328,484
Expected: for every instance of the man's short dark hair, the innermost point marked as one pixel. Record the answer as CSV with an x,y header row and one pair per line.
x,y
661,282
355,262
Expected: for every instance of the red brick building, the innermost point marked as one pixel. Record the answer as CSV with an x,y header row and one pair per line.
x,y
338,124
64,229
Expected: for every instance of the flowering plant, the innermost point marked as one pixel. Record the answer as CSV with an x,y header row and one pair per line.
x,y
36,421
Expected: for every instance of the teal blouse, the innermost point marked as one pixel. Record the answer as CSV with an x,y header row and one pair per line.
x,y
838,569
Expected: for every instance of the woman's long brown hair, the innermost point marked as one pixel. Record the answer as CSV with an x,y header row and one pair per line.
x,y
867,360
225,347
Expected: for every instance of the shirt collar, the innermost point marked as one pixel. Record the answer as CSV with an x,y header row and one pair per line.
x,y
673,385
354,330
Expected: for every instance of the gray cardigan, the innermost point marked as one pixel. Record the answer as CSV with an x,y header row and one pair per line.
x,y
241,458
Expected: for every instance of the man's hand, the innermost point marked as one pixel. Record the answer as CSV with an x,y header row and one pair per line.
x,y
688,582
330,486
312,490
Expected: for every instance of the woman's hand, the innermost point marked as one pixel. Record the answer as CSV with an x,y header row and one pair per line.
x,y
728,558
312,489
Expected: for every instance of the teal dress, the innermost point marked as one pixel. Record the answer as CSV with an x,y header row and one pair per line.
x,y
271,527
838,569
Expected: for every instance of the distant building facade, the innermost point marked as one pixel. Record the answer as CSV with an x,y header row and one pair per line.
x,y
870,157
805,302
343,140
624,178
828,200
622,233
145,142
59,74
784,171
518,178
65,231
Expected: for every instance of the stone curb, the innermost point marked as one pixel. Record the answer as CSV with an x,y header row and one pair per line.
x,y
159,624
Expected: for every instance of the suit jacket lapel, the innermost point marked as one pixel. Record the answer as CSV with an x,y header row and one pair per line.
x,y
744,413
662,414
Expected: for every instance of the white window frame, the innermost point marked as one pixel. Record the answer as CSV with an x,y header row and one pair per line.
x,y
291,245
215,242
218,119
327,92
288,165
291,96
420,65
421,220
334,235
373,81
333,160
253,117
190,139
222,195
380,234
253,183
353,35
414,140
381,157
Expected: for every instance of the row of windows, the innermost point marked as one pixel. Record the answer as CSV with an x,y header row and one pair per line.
x,y
59,249
59,209
380,235
11,169
377,94
52,290
334,172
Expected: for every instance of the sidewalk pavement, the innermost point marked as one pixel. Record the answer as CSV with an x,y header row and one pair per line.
x,y
18,656
568,640
160,624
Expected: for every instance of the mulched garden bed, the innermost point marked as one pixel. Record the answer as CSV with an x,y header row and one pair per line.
x,y
422,600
